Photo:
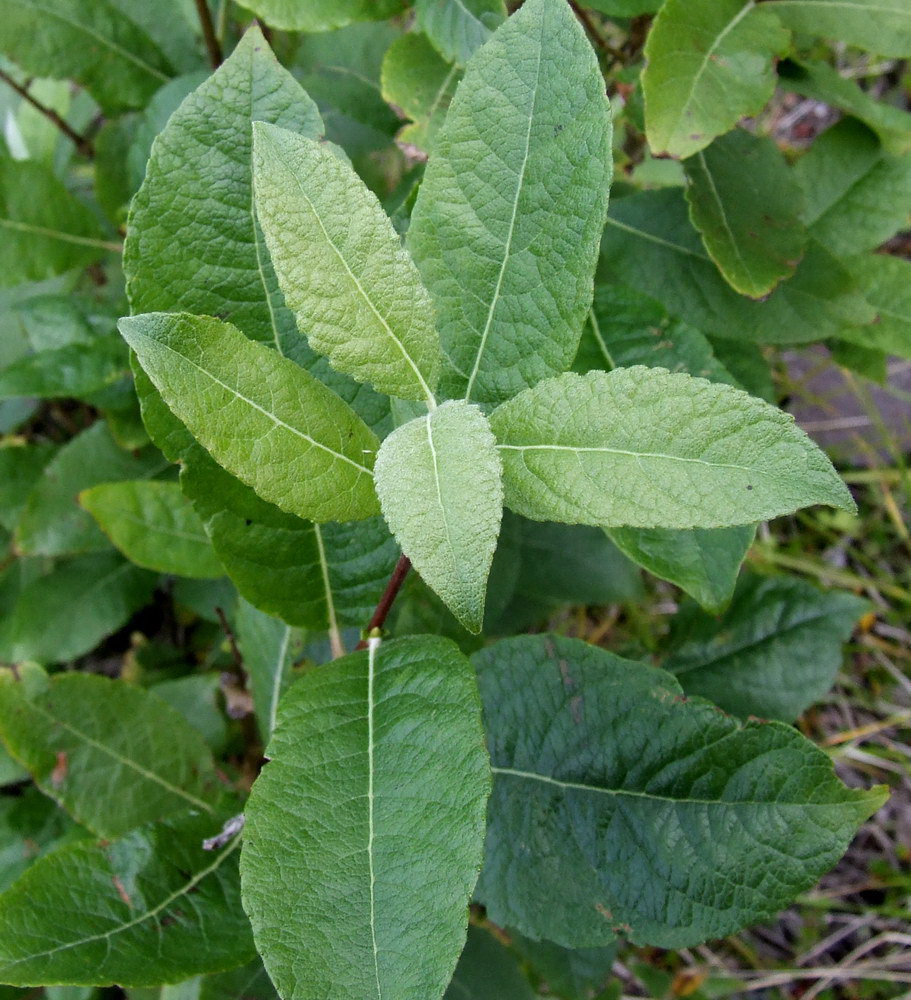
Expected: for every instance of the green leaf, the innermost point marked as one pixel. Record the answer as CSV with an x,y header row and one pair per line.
x,y
379,849
882,26
186,251
507,220
709,63
70,728
417,79
457,28
573,973
823,82
73,370
69,610
150,907
857,195
623,8
154,526
30,826
776,650
249,982
703,561
46,230
487,971
21,466
745,202
645,448
341,267
651,245
683,826
52,523
626,328
320,15
269,648
97,44
438,480
261,416
886,282
198,698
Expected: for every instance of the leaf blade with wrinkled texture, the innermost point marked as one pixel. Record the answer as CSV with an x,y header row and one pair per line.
x,y
645,448
262,417
510,211
458,28
438,480
882,26
646,808
386,847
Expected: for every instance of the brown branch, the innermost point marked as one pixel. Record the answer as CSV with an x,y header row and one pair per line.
x,y
81,143
208,33
232,642
389,595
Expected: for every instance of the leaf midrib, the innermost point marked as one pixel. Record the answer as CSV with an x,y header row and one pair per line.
x,y
57,234
627,454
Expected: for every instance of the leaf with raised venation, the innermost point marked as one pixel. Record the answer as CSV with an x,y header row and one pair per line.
x,y
823,82
886,282
417,79
154,526
150,907
70,728
46,230
366,826
775,651
458,27
52,523
341,266
188,251
269,648
488,971
320,15
438,480
507,220
97,44
702,561
857,195
882,26
262,417
746,203
650,244
73,370
709,63
626,328
684,825
642,447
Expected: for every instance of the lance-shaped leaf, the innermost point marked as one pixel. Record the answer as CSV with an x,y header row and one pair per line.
x,y
709,64
886,282
45,229
154,526
776,650
882,26
187,251
702,561
621,807
508,218
645,448
366,826
148,908
70,728
97,44
341,266
651,245
268,647
261,416
458,27
746,203
857,195
320,15
67,611
438,480
417,79
73,370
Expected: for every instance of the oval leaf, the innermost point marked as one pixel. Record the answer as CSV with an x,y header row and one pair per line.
x,y
642,447
366,827
259,415
619,806
438,480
